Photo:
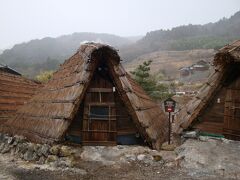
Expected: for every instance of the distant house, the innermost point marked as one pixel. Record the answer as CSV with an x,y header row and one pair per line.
x,y
185,71
15,91
216,108
200,66
5,68
91,100
195,72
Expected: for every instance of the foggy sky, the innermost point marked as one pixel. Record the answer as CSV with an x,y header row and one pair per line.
x,y
23,20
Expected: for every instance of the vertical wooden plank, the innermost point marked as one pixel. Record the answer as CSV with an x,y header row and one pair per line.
x,y
109,114
232,111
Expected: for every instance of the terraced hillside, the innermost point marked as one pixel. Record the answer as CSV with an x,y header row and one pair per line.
x,y
168,62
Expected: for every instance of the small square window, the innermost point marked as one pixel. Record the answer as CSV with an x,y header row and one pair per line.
x,y
99,112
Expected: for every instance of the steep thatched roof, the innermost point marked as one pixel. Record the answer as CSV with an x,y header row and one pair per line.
x,y
228,54
223,61
49,113
15,91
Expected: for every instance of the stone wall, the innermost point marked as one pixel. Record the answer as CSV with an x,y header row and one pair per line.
x,y
56,155
63,156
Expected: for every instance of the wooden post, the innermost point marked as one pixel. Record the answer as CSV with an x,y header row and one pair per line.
x,y
173,118
169,128
169,105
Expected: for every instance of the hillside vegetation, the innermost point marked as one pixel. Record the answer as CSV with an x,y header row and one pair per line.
x,y
168,62
208,36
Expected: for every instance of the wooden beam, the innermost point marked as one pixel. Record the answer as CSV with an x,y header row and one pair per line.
x,y
100,90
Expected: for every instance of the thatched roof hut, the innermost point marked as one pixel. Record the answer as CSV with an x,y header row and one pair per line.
x,y
91,96
216,108
15,91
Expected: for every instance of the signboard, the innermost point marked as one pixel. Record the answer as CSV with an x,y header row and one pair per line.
x,y
169,105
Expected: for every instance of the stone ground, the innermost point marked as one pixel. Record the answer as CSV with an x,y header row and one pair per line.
x,y
89,170
195,159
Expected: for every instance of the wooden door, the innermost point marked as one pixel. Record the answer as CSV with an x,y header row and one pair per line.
x,y
99,127
232,112
99,117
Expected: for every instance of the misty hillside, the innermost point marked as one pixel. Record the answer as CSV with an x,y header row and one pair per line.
x,y
46,54
208,36
60,48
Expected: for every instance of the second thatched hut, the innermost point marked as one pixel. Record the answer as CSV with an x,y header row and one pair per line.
x,y
216,108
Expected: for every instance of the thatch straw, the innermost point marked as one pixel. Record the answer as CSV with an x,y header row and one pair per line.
x,y
15,91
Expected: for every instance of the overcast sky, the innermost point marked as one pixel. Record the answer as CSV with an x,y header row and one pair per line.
x,y
23,20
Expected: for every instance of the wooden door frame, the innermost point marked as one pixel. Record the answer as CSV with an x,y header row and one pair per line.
x,y
111,118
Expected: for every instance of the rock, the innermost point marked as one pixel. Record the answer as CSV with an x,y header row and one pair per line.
x,y
179,149
35,157
147,159
36,147
211,157
6,149
12,152
90,153
51,158
203,138
43,150
170,164
130,157
20,139
54,150
140,157
10,140
2,146
178,160
53,164
157,157
191,134
65,151
11,146
1,137
120,147
6,137
21,148
15,143
168,147
33,147
227,141
41,160
67,161
30,156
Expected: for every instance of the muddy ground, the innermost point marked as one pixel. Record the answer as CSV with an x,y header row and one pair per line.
x,y
195,159
93,170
